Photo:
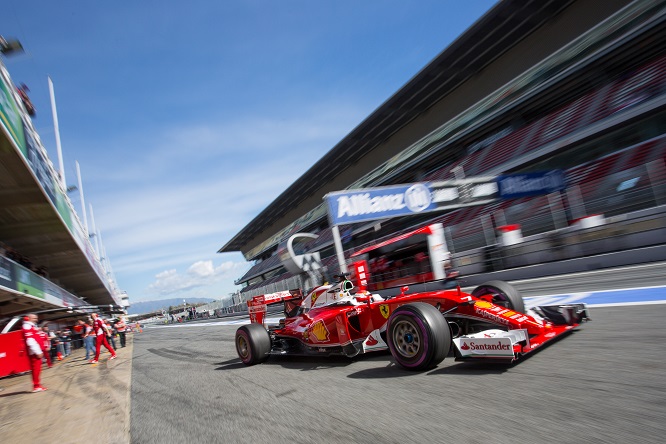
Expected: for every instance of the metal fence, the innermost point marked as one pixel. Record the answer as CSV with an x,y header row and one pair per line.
x,y
635,189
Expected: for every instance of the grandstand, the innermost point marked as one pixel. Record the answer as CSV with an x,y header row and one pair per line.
x,y
578,86
47,259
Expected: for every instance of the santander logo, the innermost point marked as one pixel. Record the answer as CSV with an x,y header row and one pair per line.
x,y
485,346
371,341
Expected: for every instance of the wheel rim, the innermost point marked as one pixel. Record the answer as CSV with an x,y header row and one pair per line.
x,y
407,339
243,347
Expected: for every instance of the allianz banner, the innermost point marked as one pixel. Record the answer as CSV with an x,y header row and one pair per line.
x,y
351,206
345,207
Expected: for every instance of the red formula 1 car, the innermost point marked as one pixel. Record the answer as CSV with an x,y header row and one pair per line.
x,y
419,329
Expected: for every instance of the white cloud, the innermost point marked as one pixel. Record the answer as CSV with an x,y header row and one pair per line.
x,y
199,274
202,269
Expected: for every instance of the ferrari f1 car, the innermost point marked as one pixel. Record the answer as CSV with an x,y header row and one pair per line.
x,y
419,329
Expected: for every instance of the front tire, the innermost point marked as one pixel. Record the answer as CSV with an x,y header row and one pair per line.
x,y
503,294
418,336
253,344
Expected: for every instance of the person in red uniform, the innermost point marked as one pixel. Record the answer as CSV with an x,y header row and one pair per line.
x,y
102,331
33,343
46,344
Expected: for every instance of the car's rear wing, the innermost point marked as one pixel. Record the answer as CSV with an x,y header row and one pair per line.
x,y
256,307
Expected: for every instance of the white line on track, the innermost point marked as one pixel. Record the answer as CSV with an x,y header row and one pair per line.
x,y
622,304
211,324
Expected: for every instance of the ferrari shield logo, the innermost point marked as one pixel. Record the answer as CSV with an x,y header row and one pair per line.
x,y
385,310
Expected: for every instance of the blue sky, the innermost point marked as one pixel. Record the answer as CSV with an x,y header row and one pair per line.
x,y
189,118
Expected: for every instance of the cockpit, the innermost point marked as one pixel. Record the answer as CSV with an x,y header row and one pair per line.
x,y
341,293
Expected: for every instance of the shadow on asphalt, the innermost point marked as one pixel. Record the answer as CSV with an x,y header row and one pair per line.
x,y
387,370
392,370
384,370
309,363
231,364
473,369
22,392
302,363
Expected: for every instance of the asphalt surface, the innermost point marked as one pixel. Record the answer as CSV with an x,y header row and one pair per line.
x,y
602,384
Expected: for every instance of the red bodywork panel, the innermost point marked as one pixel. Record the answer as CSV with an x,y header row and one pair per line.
x,y
13,354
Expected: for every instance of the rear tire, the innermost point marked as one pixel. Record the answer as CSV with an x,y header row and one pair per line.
x,y
253,344
418,336
503,294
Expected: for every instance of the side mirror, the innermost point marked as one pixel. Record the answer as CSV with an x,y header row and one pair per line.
x,y
404,289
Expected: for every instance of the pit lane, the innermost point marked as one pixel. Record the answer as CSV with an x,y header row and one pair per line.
x,y
603,383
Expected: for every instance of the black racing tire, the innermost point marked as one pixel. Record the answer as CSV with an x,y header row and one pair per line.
x,y
503,294
253,344
418,336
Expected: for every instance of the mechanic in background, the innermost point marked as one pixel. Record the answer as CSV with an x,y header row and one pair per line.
x,y
46,344
112,336
88,338
120,328
102,331
452,275
32,337
66,340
